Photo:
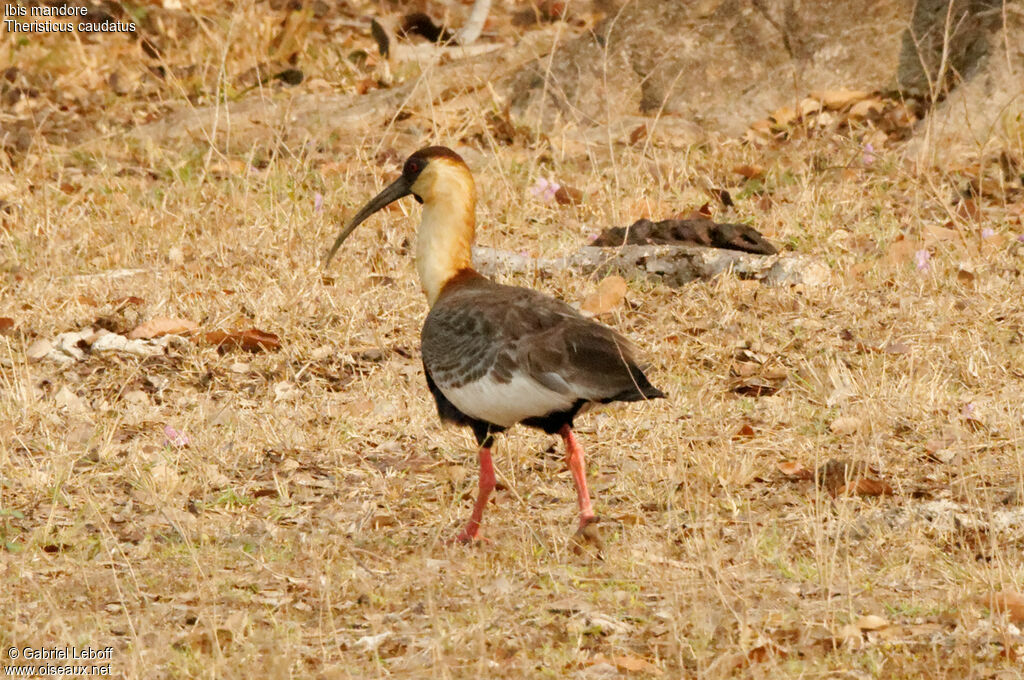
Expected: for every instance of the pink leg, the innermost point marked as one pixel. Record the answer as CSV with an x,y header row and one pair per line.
x,y
574,458
487,484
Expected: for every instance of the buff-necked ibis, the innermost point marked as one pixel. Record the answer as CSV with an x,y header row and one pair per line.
x,y
498,355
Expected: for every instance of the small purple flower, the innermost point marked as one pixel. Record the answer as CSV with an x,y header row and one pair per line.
x,y
318,202
922,259
988,232
545,189
1021,238
175,438
869,154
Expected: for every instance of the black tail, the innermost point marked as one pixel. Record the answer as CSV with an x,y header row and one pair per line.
x,y
641,390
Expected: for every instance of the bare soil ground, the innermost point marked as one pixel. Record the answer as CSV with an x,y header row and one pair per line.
x,y
212,512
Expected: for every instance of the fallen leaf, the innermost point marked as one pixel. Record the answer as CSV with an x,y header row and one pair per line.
x,y
365,85
795,470
162,325
69,400
1011,603
626,663
136,397
112,342
902,250
809,106
232,166
784,116
933,233
129,300
843,477
382,521
865,107
39,349
638,135
896,347
845,425
838,99
762,653
370,643
865,487
746,430
6,324
871,622
609,294
969,210
568,195
755,387
744,369
851,635
252,340
286,391
749,171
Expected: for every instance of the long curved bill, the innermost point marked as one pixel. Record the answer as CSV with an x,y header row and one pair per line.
x,y
394,191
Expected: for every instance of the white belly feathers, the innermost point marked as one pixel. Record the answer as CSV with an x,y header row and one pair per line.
x,y
507,403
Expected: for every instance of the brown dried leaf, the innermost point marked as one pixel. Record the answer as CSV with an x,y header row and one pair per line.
x,y
162,325
795,470
834,474
896,347
933,233
6,324
784,116
746,430
365,85
755,387
766,651
845,425
871,622
901,251
865,487
1011,603
626,663
809,105
744,369
866,107
568,195
252,340
228,168
969,210
749,171
609,295
638,134
964,275
838,99
39,349
126,301
383,520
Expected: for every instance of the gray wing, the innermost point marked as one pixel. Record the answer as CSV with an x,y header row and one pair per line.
x,y
502,331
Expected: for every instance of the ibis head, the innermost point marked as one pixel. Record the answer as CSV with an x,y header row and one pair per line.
x,y
438,178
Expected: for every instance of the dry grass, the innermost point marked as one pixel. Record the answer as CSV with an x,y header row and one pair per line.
x,y
302,533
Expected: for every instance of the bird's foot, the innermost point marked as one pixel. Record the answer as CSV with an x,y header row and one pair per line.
x,y
588,534
466,537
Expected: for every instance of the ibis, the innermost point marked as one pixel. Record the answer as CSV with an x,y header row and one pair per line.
x,y
497,355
